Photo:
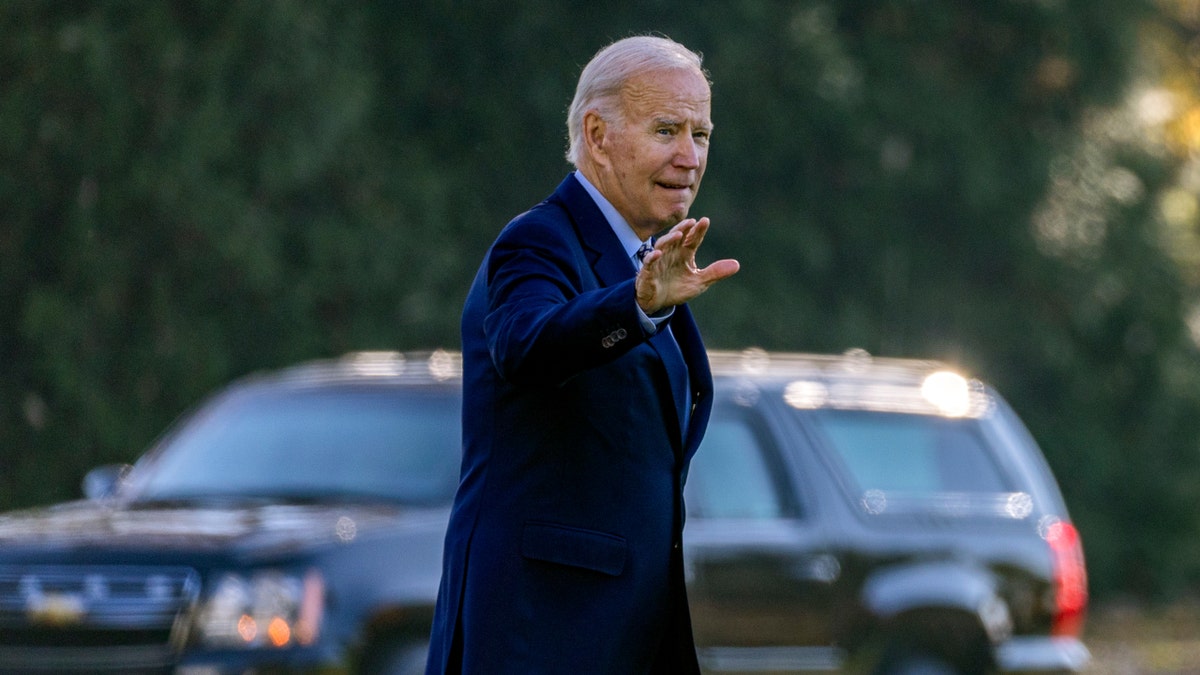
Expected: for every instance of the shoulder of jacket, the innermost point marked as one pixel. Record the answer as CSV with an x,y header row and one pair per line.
x,y
545,221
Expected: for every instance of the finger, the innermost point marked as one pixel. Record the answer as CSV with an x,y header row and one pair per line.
x,y
684,225
669,239
673,239
721,269
682,228
695,236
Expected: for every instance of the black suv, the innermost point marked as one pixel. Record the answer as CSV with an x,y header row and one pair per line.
x,y
845,513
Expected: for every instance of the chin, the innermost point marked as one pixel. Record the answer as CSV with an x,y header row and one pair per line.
x,y
676,217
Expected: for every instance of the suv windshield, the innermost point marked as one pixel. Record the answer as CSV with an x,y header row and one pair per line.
x,y
908,463
327,443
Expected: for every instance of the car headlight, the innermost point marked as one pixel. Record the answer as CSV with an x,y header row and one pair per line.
x,y
271,608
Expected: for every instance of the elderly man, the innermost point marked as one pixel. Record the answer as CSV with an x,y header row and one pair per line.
x,y
586,391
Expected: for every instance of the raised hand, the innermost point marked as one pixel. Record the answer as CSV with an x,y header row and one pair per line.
x,y
669,275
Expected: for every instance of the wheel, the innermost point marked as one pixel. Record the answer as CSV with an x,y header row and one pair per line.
x,y
397,658
916,664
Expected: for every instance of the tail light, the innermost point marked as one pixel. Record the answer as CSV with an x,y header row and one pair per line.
x,y
1070,579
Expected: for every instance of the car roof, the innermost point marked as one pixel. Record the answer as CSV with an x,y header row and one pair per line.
x,y
851,364
445,366
853,380
368,367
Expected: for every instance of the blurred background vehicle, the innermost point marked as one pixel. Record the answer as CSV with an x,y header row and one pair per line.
x,y
846,513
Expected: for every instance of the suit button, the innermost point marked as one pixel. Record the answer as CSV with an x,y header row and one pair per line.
x,y
613,338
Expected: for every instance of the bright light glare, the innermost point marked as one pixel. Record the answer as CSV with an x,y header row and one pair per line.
x,y
247,628
279,632
948,392
443,365
271,609
806,395
311,608
378,364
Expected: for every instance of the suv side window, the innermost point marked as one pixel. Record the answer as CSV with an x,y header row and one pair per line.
x,y
732,474
911,453
909,464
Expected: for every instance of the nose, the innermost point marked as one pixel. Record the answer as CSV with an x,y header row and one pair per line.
x,y
688,152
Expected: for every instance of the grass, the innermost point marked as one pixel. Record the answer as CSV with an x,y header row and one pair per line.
x,y
1133,640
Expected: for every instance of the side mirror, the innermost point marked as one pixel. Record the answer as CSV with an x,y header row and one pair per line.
x,y
103,481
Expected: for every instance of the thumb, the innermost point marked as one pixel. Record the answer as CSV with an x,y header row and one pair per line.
x,y
721,269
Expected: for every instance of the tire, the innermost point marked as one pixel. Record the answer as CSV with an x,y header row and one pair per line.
x,y
917,664
397,658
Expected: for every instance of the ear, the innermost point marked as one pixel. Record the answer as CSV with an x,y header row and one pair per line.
x,y
595,136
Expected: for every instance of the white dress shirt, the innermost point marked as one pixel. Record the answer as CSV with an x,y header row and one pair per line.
x,y
630,242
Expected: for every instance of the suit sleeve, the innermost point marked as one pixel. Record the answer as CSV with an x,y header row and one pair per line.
x,y
547,320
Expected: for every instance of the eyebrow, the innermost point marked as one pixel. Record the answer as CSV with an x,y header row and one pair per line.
x,y
672,122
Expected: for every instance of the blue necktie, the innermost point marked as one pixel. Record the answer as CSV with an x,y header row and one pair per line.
x,y
644,250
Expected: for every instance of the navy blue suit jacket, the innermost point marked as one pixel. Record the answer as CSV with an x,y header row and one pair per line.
x,y
563,551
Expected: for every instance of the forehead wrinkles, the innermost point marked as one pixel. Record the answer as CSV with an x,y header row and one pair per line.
x,y
664,95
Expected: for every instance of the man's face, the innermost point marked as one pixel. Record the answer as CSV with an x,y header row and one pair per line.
x,y
657,152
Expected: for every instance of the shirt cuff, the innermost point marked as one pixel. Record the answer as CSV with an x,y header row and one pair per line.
x,y
651,324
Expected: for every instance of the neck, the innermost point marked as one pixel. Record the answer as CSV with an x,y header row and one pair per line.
x,y
596,175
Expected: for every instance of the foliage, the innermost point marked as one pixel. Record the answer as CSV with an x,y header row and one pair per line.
x,y
197,190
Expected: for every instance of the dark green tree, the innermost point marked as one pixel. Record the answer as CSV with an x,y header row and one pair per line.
x,y
193,191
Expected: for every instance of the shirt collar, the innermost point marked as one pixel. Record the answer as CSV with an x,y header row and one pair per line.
x,y
625,234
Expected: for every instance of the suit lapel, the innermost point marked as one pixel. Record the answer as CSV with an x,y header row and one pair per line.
x,y
612,266
672,359
604,253
687,334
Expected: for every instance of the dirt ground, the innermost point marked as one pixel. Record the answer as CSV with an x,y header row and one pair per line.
x,y
1130,640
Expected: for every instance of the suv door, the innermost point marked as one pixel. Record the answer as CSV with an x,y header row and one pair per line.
x,y
761,578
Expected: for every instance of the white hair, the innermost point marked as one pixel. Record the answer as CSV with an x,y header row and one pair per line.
x,y
611,68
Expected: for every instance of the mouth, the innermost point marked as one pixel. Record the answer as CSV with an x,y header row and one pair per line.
x,y
674,186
